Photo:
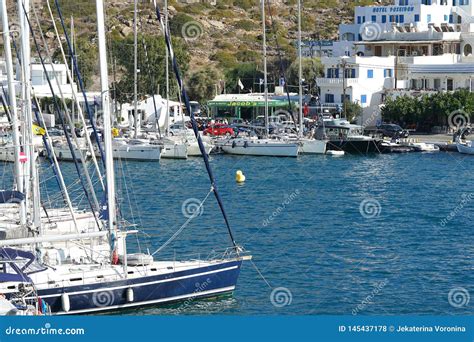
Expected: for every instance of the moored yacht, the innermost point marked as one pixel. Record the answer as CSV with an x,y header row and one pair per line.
x,y
342,135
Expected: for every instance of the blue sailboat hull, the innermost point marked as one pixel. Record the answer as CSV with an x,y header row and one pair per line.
x,y
199,282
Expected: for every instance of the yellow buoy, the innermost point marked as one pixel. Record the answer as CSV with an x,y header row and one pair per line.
x,y
239,177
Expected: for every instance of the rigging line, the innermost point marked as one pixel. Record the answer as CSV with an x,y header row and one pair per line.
x,y
147,61
260,274
194,125
4,104
66,113
79,78
73,91
58,110
280,60
185,224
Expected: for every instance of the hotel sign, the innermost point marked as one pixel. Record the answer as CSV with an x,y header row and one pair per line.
x,y
393,9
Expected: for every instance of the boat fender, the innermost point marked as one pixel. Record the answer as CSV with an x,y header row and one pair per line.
x,y
65,302
233,144
130,295
246,144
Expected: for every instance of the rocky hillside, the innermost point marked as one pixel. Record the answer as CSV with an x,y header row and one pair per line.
x,y
221,35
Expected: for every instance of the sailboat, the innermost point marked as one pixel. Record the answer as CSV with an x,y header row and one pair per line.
x,y
253,146
136,148
308,145
90,270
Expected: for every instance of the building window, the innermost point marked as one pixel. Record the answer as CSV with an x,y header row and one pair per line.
x,y
401,19
426,2
329,98
417,18
333,73
384,19
348,98
363,99
437,84
392,18
387,73
350,73
374,18
403,2
463,2
428,18
370,73
451,19
467,50
359,20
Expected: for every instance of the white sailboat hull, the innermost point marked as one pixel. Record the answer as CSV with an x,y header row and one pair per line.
x,y
174,151
262,147
137,152
193,148
312,146
465,149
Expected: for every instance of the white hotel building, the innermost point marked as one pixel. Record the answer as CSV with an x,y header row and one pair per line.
x,y
410,47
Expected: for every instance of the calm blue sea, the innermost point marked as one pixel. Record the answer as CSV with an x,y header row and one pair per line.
x,y
384,234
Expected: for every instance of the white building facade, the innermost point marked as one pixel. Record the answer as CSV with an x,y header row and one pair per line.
x,y
410,47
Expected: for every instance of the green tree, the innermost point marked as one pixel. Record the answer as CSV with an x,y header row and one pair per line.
x,y
353,110
248,75
151,68
312,68
201,84
86,55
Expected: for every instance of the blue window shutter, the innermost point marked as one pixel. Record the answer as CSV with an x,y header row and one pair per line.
x,y
417,18
384,19
370,73
363,99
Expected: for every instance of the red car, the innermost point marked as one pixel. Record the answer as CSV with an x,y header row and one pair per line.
x,y
219,129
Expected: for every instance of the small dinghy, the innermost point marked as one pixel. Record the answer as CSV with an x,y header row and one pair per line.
x,y
138,259
335,153
465,148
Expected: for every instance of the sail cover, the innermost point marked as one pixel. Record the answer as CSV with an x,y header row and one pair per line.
x,y
11,196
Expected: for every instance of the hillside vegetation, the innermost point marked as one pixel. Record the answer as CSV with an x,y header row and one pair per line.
x,y
223,42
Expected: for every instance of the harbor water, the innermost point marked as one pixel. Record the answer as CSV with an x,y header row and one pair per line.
x,y
384,234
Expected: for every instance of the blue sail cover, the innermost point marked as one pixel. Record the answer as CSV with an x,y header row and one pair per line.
x,y
11,196
17,265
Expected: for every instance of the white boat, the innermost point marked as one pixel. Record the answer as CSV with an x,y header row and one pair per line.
x,y
7,153
260,147
312,146
135,149
174,149
424,147
193,148
466,148
63,152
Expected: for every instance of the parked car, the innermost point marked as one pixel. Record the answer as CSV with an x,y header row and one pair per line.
x,y
388,130
219,130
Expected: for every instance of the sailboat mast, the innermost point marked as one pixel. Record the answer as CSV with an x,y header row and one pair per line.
x,y
72,63
32,185
104,85
300,74
265,80
13,105
167,76
135,71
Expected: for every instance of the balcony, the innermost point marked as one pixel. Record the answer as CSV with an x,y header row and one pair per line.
x,y
336,82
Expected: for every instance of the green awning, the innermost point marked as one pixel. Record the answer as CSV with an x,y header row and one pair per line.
x,y
271,103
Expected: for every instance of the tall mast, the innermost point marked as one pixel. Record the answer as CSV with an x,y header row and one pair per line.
x,y
300,74
265,80
104,85
135,70
32,184
167,76
13,105
72,62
